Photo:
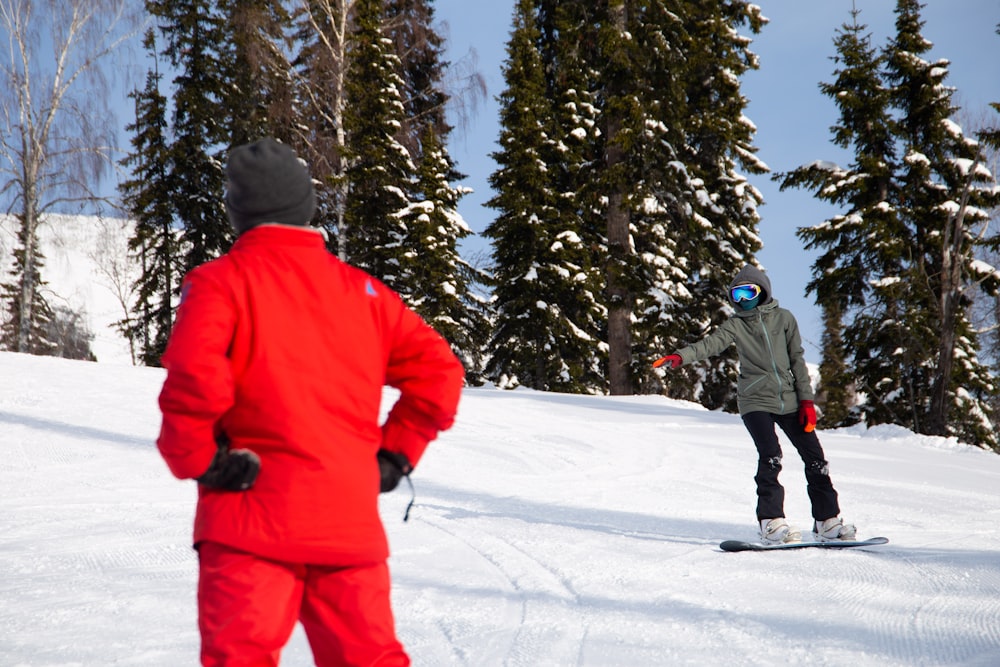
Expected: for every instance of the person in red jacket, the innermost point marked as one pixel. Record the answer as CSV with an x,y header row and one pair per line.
x,y
275,371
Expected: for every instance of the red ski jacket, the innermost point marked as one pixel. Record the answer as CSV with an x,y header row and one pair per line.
x,y
286,350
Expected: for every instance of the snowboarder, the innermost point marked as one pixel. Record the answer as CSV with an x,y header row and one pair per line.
x,y
774,389
275,370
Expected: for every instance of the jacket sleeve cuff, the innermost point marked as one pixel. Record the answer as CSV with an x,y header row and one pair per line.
x,y
397,437
184,462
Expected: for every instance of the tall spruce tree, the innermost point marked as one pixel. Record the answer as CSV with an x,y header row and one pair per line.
x,y
540,257
373,125
680,219
990,139
898,266
520,348
600,142
609,69
715,234
380,172
195,36
231,86
621,123
409,24
567,39
866,241
944,198
147,196
441,286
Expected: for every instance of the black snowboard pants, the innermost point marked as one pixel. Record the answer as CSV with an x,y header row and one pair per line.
x,y
770,493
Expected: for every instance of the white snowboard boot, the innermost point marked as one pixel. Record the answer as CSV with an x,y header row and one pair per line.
x,y
834,529
777,531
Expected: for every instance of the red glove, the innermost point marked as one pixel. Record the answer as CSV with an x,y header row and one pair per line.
x,y
807,415
673,359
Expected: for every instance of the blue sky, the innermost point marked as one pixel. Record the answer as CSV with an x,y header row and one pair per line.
x,y
791,115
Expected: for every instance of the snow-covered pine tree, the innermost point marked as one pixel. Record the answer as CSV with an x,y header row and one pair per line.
x,y
539,256
990,139
566,41
441,286
34,335
195,35
622,129
716,235
601,62
616,77
865,242
679,219
945,194
897,265
231,87
380,173
520,347
147,196
409,24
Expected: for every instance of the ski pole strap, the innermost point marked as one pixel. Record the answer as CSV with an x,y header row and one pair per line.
x,y
413,498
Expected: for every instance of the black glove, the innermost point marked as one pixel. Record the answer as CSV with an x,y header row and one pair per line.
x,y
392,467
231,469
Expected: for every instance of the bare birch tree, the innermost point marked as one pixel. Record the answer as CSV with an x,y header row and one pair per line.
x,y
323,66
56,130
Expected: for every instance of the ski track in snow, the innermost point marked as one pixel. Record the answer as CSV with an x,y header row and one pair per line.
x,y
548,530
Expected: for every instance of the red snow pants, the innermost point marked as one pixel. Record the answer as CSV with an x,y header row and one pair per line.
x,y
248,607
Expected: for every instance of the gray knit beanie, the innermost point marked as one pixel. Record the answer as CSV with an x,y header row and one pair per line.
x,y
267,183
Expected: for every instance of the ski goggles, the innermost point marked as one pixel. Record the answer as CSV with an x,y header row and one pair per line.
x,y
745,292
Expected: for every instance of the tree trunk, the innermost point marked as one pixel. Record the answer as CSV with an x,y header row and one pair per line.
x,y
29,231
619,299
952,261
619,248
329,20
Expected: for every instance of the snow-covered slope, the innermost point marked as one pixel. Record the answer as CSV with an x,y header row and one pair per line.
x,y
85,270
549,530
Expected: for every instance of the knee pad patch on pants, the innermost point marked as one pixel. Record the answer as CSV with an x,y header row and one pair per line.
x,y
820,468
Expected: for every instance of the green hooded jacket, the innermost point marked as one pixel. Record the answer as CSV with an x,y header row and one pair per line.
x,y
773,375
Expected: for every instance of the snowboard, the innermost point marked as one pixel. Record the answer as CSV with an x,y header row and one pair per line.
x,y
740,545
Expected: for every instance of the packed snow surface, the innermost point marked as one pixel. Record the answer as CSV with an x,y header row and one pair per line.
x,y
549,530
